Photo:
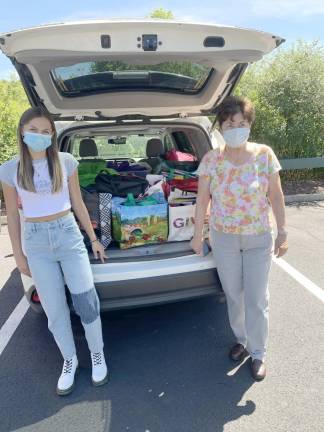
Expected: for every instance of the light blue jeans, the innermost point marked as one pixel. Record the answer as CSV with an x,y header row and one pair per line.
x,y
54,249
243,263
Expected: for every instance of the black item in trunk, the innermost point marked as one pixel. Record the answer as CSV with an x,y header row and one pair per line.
x,y
120,185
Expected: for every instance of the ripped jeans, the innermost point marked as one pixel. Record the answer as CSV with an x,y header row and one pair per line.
x,y
56,248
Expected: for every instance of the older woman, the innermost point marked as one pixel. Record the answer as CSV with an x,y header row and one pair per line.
x,y
242,179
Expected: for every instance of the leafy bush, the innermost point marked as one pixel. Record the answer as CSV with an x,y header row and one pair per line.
x,y
288,92
13,102
287,88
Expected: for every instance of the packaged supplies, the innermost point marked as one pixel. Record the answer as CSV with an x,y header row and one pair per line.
x,y
177,195
99,209
120,185
140,222
88,170
183,180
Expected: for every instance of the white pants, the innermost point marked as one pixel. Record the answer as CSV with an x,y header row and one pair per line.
x,y
243,263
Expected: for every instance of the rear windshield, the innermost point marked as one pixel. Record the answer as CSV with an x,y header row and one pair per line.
x,y
114,147
128,146
105,76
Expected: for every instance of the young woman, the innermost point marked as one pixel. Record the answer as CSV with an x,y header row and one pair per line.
x,y
46,181
241,178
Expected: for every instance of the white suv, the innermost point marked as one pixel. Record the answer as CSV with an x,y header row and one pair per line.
x,y
136,80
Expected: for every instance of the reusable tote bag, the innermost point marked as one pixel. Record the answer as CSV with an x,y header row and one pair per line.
x,y
181,222
99,209
135,224
105,204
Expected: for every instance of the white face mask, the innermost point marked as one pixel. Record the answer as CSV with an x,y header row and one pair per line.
x,y
236,137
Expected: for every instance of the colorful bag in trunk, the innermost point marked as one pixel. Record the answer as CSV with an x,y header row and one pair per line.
x,y
137,224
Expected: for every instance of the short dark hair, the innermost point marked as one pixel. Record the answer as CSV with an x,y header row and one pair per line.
x,y
233,105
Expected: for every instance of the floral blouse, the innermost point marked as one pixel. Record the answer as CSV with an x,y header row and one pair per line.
x,y
239,193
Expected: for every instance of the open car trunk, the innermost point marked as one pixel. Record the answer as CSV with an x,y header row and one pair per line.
x,y
186,136
153,68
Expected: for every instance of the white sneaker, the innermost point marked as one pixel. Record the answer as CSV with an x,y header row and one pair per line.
x,y
100,374
65,384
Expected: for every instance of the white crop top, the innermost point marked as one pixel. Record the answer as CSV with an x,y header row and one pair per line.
x,y
43,202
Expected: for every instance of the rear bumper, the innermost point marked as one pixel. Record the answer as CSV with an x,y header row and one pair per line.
x,y
158,290
148,282
144,283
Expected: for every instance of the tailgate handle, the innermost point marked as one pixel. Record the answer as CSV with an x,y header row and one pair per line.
x,y
214,41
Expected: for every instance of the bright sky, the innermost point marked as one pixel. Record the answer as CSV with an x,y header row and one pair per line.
x,y
290,19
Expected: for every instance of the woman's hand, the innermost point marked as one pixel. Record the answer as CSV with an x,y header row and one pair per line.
x,y
281,245
196,244
98,249
22,265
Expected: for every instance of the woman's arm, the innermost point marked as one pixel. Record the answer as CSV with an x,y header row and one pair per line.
x,y
202,202
82,214
13,218
277,201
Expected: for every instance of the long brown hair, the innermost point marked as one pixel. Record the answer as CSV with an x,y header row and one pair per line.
x,y
25,173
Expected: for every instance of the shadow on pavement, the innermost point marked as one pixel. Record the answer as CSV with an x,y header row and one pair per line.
x,y
10,295
169,372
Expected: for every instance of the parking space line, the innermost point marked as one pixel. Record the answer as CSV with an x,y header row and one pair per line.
x,y
300,278
10,326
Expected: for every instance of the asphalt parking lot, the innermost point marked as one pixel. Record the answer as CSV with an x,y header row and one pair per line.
x,y
169,365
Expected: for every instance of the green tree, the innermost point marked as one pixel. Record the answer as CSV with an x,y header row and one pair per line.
x,y
13,102
287,89
161,13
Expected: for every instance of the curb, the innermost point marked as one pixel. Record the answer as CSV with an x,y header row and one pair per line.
x,y
304,198
3,220
288,200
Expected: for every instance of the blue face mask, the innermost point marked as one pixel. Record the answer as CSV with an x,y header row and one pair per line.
x,y
37,142
236,137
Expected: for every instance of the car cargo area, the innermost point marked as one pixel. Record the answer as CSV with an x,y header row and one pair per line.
x,y
139,144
